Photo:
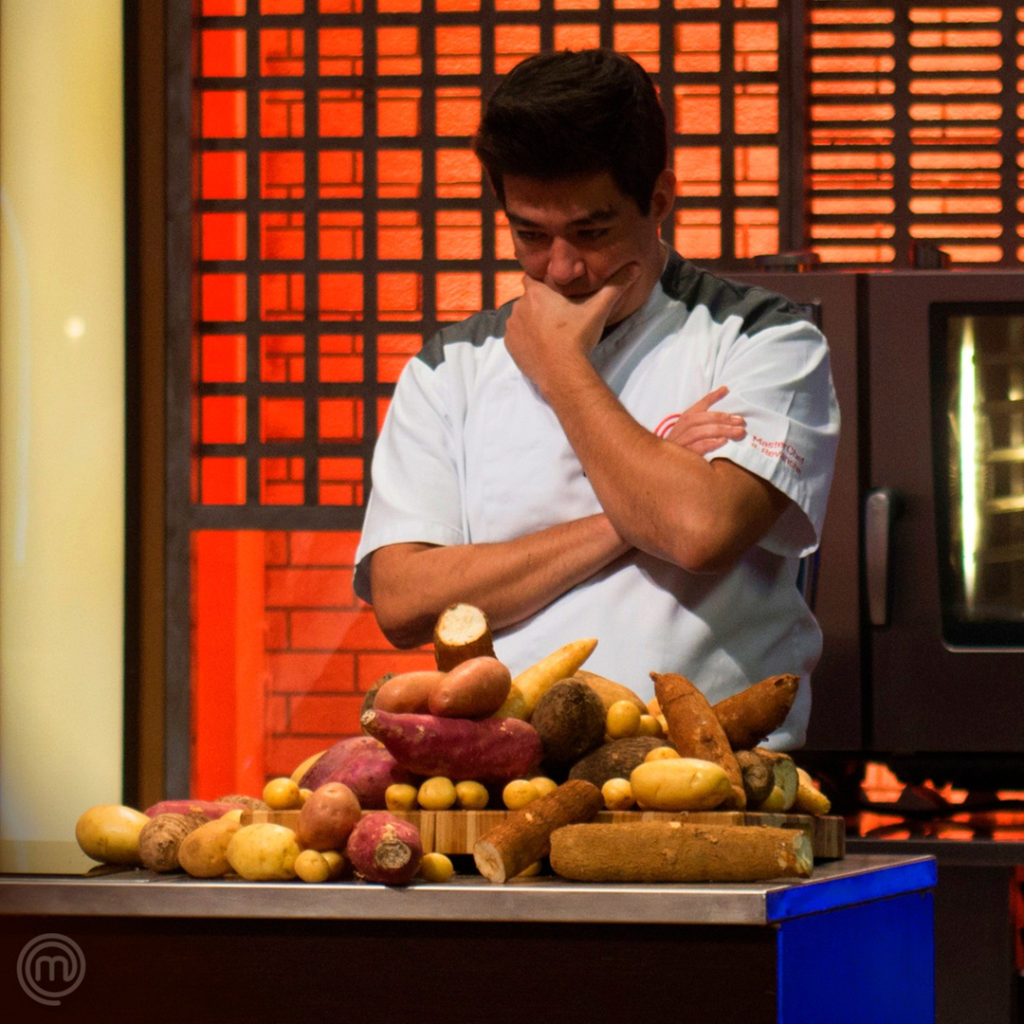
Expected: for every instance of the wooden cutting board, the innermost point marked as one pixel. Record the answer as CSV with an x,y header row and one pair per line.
x,y
456,832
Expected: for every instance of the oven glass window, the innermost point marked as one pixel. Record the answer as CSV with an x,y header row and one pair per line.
x,y
979,462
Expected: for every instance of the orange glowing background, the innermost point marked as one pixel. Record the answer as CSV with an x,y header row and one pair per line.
x,y
339,216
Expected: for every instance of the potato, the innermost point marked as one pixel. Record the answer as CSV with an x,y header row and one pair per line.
x,y
109,833
263,852
204,852
328,816
679,784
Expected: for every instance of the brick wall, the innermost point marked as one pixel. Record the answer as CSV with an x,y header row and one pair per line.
x,y
324,649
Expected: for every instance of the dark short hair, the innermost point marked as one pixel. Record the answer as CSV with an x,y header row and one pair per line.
x,y
557,115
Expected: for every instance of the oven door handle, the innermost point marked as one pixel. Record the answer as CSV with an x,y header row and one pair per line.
x,y
880,510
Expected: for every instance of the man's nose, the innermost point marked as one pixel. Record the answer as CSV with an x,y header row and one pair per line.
x,y
564,262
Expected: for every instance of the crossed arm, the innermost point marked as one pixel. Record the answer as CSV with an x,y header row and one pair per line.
x,y
657,494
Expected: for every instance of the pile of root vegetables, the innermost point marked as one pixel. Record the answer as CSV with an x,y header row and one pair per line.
x,y
554,746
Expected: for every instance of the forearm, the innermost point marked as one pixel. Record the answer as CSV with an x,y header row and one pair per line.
x,y
510,580
663,498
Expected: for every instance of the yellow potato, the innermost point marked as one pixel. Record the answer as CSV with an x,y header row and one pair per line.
x,y
436,867
203,852
109,833
618,794
622,719
282,794
263,852
436,793
679,784
400,796
471,795
518,793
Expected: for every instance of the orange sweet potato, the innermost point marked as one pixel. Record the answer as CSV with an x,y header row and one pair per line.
x,y
474,688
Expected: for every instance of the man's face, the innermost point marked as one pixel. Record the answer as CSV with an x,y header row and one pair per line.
x,y
573,234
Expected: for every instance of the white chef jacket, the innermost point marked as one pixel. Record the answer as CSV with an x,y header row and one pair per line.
x,y
470,452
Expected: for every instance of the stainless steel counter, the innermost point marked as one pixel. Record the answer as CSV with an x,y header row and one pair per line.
x,y
855,879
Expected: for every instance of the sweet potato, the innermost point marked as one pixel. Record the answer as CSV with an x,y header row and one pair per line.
x,y
210,809
694,730
487,749
614,759
475,688
407,691
748,717
385,848
532,683
570,721
460,633
363,764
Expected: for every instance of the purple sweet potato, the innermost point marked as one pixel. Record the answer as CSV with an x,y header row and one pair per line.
x,y
486,749
208,808
385,848
363,764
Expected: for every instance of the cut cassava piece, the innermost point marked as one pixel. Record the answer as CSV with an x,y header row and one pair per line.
x,y
694,729
750,716
523,838
785,779
532,683
673,851
460,633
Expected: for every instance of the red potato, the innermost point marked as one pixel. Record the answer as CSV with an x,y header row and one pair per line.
x,y
210,809
384,848
487,749
408,691
475,688
327,817
363,764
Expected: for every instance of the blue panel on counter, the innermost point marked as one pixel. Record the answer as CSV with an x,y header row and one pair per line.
x,y
873,962
813,897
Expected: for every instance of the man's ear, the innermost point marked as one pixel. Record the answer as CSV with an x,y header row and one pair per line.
x,y
663,198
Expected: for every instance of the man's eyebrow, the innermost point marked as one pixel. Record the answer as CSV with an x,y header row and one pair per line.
x,y
601,216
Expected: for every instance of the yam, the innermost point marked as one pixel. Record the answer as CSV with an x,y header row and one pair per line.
x,y
523,838
487,749
385,848
673,851
615,759
570,720
161,838
784,777
750,716
758,777
460,633
694,729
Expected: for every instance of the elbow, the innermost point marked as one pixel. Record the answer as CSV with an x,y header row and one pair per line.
x,y
401,631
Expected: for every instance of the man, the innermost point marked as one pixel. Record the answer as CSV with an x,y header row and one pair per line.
x,y
558,462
